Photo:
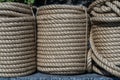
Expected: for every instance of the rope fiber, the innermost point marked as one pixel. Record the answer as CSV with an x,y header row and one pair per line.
x,y
17,40
105,36
62,39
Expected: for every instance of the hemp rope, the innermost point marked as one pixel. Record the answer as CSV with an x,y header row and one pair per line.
x,y
104,36
62,39
17,40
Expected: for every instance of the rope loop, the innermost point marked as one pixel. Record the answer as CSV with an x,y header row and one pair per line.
x,y
104,36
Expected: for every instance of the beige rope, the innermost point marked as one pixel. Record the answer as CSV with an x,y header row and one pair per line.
x,y
89,61
104,37
18,5
17,40
61,39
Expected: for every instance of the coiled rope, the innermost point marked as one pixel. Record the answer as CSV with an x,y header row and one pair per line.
x,y
105,36
17,40
62,39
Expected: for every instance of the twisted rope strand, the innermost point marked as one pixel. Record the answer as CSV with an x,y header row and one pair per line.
x,y
104,37
17,40
61,39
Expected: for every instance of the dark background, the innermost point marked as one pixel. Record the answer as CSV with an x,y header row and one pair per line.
x,y
72,2
48,2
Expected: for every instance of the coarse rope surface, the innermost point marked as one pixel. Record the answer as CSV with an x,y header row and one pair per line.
x,y
17,40
62,39
105,36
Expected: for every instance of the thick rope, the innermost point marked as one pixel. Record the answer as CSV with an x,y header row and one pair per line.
x,y
89,61
104,36
62,39
17,40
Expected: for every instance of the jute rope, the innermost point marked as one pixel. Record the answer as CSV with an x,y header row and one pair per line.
x,y
104,37
17,40
62,39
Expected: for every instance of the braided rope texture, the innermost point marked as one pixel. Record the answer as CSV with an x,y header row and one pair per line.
x,y
17,40
105,36
61,39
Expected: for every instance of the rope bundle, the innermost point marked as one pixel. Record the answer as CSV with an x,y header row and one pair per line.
x,y
17,40
105,36
62,39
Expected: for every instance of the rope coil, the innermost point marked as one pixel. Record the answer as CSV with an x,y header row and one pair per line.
x,y
104,36
17,40
62,39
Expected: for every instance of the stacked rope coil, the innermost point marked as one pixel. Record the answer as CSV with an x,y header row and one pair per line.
x,y
61,39
17,40
105,36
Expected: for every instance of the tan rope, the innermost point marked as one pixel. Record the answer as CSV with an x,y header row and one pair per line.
x,y
19,5
89,61
104,37
61,39
17,40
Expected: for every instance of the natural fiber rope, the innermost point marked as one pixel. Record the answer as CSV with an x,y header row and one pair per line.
x,y
17,40
61,39
89,61
104,37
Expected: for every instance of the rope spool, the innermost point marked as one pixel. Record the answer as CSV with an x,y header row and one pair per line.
x,y
17,40
104,37
62,39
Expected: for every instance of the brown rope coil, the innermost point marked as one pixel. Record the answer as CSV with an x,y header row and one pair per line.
x,y
105,36
17,40
62,39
